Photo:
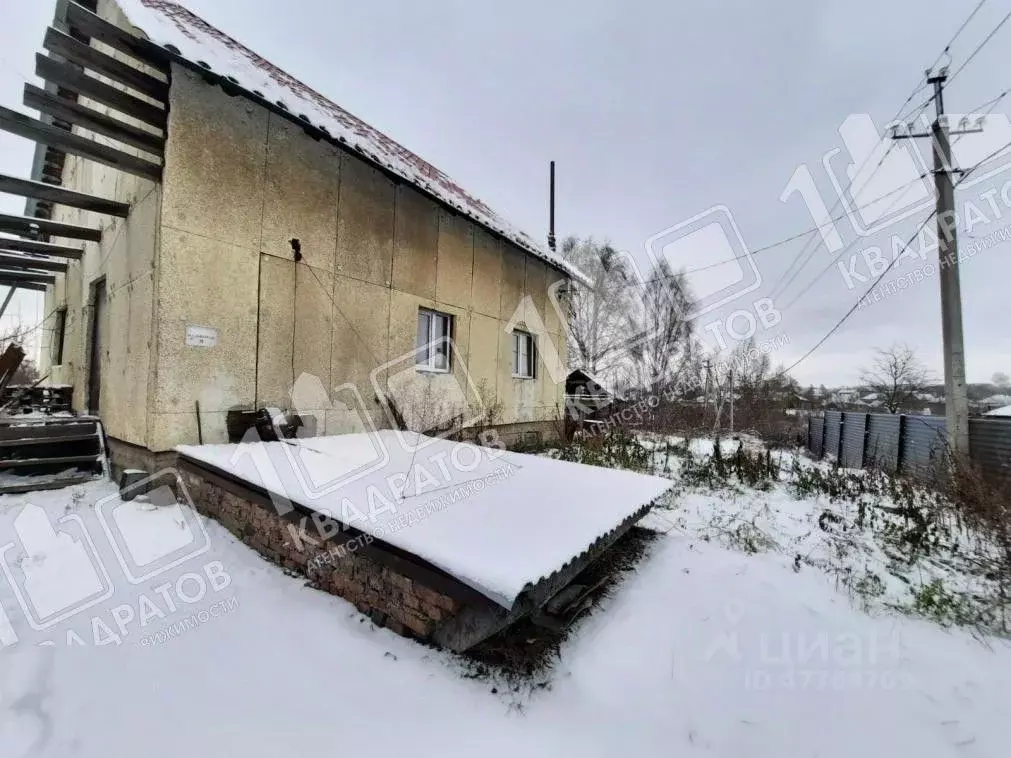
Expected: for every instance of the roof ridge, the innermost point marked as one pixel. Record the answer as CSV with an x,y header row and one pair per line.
x,y
174,17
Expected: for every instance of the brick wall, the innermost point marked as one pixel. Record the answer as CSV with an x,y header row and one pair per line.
x,y
340,566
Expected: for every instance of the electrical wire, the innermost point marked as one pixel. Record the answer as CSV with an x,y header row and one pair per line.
x,y
779,288
856,305
831,263
887,268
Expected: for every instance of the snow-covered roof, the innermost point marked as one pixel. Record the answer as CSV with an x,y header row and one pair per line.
x,y
1005,411
182,32
996,400
499,522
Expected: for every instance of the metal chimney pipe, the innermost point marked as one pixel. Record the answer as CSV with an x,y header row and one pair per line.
x,y
551,222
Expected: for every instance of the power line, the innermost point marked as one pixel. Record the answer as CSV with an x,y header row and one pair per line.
x,y
778,243
842,252
856,305
945,51
887,269
980,46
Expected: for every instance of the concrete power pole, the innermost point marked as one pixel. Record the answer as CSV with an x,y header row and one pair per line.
x,y
956,399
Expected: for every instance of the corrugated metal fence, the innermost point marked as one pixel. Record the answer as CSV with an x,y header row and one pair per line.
x,y
905,443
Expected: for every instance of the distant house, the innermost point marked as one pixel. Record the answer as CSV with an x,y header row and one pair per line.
x,y
585,394
994,402
1004,411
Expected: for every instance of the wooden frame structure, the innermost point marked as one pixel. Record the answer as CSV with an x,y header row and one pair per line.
x,y
71,70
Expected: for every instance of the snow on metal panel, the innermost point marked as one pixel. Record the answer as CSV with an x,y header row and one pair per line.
x,y
833,427
815,432
883,440
854,426
169,24
923,443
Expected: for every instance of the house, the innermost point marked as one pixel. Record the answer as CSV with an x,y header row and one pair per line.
x,y
994,402
215,238
1000,412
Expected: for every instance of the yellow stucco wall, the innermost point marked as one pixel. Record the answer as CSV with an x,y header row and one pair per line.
x,y
126,257
239,184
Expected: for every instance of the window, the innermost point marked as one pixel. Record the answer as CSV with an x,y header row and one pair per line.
x,y
57,346
524,355
433,346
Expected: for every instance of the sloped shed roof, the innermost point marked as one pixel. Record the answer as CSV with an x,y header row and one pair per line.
x,y
177,29
499,522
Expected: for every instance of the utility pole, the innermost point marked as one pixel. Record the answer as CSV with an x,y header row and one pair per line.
x,y
956,399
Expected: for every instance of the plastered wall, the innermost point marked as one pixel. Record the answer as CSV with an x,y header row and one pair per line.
x,y
339,327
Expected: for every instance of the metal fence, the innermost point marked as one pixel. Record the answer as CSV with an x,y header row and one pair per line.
x,y
906,443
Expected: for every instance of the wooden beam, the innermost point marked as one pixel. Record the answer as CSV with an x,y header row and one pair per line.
x,y
91,25
10,244
91,58
47,134
28,225
53,194
74,113
25,285
28,262
66,76
26,276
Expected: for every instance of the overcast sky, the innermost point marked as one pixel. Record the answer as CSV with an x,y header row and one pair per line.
x,y
656,113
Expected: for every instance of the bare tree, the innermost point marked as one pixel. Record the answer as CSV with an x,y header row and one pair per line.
x,y
599,317
662,345
1001,380
896,375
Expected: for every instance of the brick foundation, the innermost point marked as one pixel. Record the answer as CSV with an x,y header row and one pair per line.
x,y
341,566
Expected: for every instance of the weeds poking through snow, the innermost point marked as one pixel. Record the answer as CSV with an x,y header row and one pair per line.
x,y
941,553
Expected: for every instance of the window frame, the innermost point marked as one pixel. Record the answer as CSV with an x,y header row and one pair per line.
x,y
425,354
519,336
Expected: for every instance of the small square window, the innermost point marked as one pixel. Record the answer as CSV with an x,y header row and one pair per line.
x,y
434,349
524,355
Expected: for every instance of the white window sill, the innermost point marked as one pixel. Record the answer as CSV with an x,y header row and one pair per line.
x,y
432,370
521,376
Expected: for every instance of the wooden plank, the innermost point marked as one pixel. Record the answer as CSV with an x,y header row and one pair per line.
x,y
28,262
66,76
45,430
80,115
47,134
43,483
91,25
9,363
85,55
54,194
9,244
30,225
27,286
7,276
62,460
25,441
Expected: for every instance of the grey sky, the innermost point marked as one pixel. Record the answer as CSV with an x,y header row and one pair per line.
x,y
654,112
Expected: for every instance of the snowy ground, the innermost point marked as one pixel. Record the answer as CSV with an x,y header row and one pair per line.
x,y
705,649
